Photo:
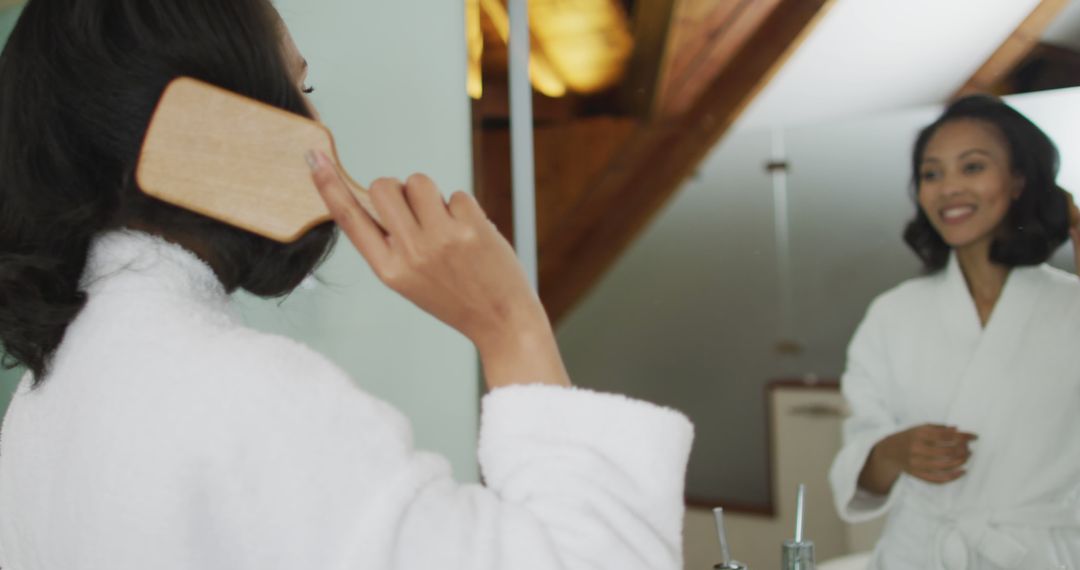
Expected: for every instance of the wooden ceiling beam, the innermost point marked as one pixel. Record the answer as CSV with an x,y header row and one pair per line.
x,y
681,46
650,166
1015,48
1048,66
706,36
651,27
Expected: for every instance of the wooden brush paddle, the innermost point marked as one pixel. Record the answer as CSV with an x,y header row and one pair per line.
x,y
237,160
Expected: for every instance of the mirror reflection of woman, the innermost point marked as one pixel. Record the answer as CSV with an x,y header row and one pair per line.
x,y
964,384
154,431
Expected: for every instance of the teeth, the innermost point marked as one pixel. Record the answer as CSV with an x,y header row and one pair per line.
x,y
957,212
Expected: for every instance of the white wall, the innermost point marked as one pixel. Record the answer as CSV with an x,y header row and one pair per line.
x,y
1065,30
873,56
391,86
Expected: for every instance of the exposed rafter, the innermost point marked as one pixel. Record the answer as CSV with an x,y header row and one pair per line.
x,y
651,27
705,35
589,234
1014,49
606,166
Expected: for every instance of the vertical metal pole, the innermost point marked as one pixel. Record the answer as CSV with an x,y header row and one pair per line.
x,y
521,140
783,238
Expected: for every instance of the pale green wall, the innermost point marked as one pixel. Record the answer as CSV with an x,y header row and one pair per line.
x,y
391,86
8,16
8,378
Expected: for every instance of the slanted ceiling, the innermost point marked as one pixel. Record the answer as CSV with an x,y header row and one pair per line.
x,y
1064,31
607,163
869,57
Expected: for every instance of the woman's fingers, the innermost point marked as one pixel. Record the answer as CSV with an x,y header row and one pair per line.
x,y
938,462
944,436
388,196
939,477
427,203
944,444
357,224
451,262
464,207
937,453
940,448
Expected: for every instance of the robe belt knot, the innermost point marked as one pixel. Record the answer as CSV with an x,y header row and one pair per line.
x,y
976,532
987,533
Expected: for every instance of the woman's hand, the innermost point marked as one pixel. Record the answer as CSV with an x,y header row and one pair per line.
x,y
451,261
932,453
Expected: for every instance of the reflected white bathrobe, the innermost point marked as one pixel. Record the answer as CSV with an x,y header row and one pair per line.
x,y
920,356
170,437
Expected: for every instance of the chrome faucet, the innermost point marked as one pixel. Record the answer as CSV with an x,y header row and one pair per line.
x,y
726,562
798,554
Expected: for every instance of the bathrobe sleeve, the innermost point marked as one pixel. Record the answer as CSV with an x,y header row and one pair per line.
x,y
319,474
866,385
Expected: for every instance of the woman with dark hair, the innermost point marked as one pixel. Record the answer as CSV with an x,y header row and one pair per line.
x,y
964,384
153,430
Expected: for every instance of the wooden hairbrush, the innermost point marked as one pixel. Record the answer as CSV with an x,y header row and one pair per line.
x,y
237,160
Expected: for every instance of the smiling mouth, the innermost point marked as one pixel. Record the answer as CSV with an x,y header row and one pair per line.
x,y
957,214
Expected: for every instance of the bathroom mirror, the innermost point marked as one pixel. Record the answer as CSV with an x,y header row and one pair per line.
x,y
759,268
695,313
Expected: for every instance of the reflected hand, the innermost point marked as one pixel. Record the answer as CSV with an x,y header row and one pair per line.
x,y
451,261
932,453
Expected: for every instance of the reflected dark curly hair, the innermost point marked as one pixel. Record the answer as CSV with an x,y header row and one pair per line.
x,y
79,80
1037,222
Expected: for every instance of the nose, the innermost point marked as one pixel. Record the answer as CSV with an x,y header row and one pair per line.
x,y
951,185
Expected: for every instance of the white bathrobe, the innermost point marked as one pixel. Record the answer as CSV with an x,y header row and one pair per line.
x,y
921,356
170,437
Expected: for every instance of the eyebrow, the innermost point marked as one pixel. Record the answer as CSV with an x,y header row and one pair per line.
x,y
976,151
962,155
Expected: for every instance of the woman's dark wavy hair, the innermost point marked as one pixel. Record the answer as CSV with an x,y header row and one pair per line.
x,y
79,80
1037,222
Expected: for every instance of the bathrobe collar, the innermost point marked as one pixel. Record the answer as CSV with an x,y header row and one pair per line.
x,y
986,346
134,261
958,304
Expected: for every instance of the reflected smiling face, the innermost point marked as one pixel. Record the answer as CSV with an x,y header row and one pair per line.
x,y
966,182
